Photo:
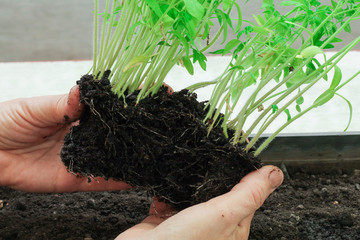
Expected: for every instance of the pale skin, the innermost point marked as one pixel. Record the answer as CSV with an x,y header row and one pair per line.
x,y
31,135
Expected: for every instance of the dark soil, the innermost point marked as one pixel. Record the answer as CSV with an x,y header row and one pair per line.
x,y
313,207
160,144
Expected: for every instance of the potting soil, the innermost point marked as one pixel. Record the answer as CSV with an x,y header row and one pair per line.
x,y
307,206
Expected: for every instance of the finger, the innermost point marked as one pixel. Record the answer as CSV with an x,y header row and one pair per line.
x,y
170,90
49,111
156,211
73,107
159,212
138,232
247,196
68,108
100,184
223,216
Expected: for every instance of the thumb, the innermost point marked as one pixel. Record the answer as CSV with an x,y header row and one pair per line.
x,y
250,194
54,110
226,215
70,108
238,206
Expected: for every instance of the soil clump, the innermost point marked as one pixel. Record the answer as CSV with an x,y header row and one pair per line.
x,y
160,144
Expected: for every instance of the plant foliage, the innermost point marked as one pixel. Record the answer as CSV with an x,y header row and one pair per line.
x,y
268,62
275,58
141,40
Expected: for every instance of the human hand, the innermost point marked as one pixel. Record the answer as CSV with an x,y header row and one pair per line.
x,y
222,218
31,135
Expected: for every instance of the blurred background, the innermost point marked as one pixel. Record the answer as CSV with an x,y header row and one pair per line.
x,y
46,45
43,30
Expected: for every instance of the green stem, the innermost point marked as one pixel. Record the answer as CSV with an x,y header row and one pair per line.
x,y
343,52
104,28
95,35
196,86
269,139
286,79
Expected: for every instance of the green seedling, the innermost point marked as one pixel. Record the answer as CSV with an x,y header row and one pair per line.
x,y
277,57
277,73
142,40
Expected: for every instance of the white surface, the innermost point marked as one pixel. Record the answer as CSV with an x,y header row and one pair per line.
x,y
27,79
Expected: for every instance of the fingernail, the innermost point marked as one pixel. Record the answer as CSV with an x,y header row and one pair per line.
x,y
276,177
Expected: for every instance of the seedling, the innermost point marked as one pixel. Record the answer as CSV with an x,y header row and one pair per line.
x,y
157,141
141,41
266,62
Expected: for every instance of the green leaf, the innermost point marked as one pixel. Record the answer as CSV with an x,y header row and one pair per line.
x,y
295,78
337,78
223,22
182,40
104,15
163,43
325,77
310,51
130,32
251,79
298,108
288,114
219,51
188,64
290,3
262,30
194,8
136,61
329,46
335,40
206,31
118,9
199,57
300,100
315,3
227,4
228,20
324,97
350,109
275,108
191,28
333,3
277,77
237,67
155,7
239,15
259,19
249,61
347,28
238,49
230,45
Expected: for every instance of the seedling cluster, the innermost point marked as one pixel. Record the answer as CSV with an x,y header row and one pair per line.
x,y
275,56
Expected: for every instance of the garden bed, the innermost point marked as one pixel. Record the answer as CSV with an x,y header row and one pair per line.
x,y
307,206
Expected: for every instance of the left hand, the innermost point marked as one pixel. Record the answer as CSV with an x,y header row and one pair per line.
x,y
31,135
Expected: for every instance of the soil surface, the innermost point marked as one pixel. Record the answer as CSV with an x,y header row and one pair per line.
x,y
160,144
307,206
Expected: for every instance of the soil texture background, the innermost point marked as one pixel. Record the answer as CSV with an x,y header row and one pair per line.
x,y
307,206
